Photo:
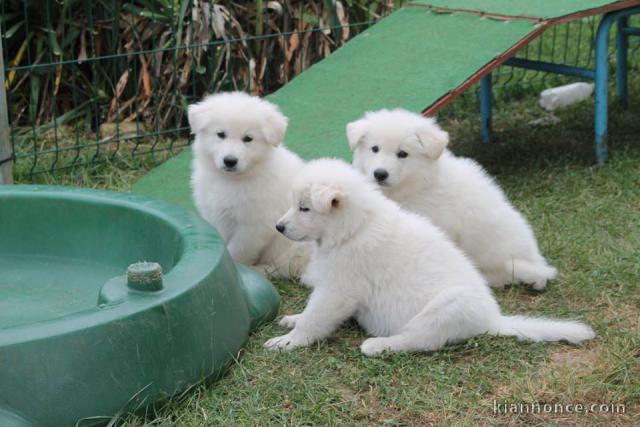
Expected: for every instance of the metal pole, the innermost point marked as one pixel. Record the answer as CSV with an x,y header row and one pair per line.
x,y
551,67
6,151
485,108
602,79
622,48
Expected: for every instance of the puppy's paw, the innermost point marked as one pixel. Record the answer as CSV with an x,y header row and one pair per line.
x,y
375,346
305,280
540,285
306,284
287,342
289,322
263,269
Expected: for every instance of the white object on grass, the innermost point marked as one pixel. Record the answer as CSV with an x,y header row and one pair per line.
x,y
561,96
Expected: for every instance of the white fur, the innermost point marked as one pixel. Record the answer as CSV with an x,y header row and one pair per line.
x,y
399,276
244,203
454,192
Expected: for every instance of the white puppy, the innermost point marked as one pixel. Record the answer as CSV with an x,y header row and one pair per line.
x,y
402,278
242,176
405,154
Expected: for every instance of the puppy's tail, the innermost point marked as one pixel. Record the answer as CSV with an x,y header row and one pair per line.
x,y
541,329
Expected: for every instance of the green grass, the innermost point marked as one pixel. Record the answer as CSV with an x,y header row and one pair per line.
x,y
115,172
587,220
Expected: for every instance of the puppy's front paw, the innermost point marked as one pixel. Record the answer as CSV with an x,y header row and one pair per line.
x,y
263,269
540,285
289,322
375,346
287,342
306,280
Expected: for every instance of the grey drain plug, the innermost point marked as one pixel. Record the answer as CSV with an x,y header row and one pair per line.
x,y
145,276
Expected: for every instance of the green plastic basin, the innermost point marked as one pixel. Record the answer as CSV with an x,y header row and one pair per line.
x,y
80,339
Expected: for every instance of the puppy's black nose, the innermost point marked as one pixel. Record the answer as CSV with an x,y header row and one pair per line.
x,y
280,227
380,175
230,161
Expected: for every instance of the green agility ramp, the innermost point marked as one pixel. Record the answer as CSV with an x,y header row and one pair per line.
x,y
399,62
419,58
87,330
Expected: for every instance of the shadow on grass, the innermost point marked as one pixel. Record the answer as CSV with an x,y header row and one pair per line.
x,y
519,148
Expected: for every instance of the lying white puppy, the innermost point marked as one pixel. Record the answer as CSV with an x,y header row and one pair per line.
x,y
405,154
242,176
401,277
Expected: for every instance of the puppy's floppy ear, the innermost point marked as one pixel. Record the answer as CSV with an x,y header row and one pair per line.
x,y
355,132
274,125
198,116
433,138
325,197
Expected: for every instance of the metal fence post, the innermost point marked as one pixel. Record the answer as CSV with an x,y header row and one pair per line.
x,y
485,108
6,151
622,54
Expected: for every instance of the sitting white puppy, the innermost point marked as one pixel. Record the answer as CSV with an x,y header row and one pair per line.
x,y
402,278
242,176
405,153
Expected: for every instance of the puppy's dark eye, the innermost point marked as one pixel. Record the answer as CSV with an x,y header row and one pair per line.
x,y
304,209
221,135
247,138
402,154
375,149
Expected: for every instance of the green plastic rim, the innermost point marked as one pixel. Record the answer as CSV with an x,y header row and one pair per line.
x,y
91,332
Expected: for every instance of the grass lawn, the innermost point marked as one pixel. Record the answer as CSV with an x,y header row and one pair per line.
x,y
587,221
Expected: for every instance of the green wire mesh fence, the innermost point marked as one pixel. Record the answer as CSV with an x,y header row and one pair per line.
x,y
570,44
97,79
89,80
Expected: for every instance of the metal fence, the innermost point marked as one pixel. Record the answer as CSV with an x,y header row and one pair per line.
x,y
570,44
98,79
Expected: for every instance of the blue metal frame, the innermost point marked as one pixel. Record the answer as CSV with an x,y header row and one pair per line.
x,y
622,48
600,75
485,108
551,67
